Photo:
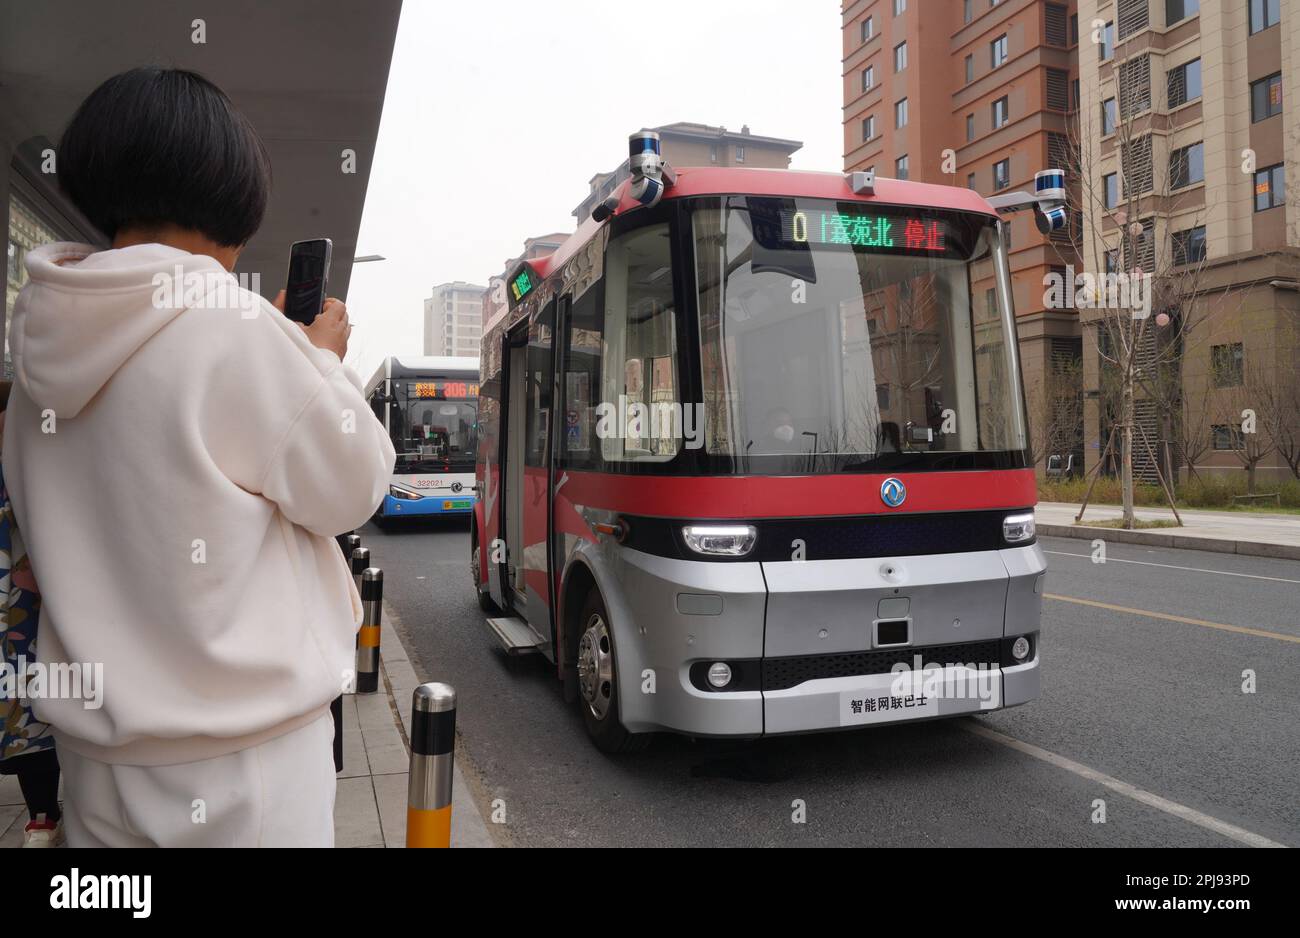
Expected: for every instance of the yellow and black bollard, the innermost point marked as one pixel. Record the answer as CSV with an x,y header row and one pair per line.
x,y
433,744
372,601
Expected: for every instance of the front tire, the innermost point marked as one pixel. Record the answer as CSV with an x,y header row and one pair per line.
x,y
598,682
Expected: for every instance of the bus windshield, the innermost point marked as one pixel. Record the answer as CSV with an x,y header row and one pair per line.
x,y
433,423
844,336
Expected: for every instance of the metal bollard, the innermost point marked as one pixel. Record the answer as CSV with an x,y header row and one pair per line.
x,y
360,561
433,743
349,542
372,599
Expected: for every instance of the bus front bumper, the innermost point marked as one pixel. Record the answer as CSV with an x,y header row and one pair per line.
x,y
804,644
436,504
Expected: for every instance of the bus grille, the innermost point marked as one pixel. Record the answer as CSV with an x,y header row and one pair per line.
x,y
784,673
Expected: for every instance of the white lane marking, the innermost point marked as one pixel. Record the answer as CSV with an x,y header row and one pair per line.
x,y
1170,566
1191,815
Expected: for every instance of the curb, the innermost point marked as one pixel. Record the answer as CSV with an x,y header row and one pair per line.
x,y
468,827
1157,538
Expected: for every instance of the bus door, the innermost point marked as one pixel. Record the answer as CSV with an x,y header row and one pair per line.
x,y
526,472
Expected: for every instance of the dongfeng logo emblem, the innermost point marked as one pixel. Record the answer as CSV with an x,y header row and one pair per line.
x,y
892,492
456,486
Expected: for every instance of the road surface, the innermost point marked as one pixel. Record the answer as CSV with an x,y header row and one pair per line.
x,y
1142,709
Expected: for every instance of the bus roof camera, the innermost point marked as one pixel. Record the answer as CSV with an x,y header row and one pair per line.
x,y
1051,219
863,182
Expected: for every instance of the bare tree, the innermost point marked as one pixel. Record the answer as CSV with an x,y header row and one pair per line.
x,y
1147,302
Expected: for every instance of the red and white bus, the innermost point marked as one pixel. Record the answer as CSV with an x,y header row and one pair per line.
x,y
753,459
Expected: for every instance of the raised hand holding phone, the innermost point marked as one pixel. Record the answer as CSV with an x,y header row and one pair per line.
x,y
329,330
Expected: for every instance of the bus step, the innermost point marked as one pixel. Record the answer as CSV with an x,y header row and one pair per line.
x,y
514,635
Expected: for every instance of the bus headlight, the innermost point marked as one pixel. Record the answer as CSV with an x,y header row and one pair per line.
x,y
1020,648
1016,529
404,494
720,540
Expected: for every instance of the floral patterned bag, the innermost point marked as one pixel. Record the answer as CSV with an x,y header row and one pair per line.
x,y
20,731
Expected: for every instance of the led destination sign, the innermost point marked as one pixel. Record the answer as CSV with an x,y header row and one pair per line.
x,y
444,390
865,230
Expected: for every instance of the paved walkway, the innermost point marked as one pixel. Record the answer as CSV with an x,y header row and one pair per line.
x,y
370,806
1259,534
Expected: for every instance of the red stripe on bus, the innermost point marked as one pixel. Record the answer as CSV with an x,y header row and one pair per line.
x,y
798,496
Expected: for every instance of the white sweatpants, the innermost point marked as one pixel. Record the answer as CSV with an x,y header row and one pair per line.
x,y
278,794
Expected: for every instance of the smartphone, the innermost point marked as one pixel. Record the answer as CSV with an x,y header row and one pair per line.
x,y
309,274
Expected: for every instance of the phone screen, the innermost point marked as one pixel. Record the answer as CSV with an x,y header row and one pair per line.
x,y
309,267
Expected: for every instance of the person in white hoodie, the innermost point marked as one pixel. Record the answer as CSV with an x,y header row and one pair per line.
x,y
179,456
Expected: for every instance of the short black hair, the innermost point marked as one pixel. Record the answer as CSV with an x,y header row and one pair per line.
x,y
165,146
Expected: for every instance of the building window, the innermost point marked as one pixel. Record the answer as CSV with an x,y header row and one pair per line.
x,y
868,78
900,167
1227,363
970,69
900,113
1110,183
1263,14
869,127
1135,85
1135,164
1074,29
1075,97
1133,16
1056,18
1176,10
740,154
1266,98
713,153
998,51
1270,188
1227,437
970,181
1112,261
991,302
868,28
1001,112
1106,48
900,7
967,11
1058,89
1108,116
1184,83
1187,166
1001,174
970,127
900,56
1189,246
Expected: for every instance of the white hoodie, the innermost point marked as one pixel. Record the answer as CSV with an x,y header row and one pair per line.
x,y
178,468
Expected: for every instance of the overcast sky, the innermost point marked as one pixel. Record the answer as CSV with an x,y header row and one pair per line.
x,y
499,111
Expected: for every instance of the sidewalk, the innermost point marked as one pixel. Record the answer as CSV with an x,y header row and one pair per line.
x,y
1256,534
370,806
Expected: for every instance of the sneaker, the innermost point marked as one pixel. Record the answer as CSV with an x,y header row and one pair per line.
x,y
43,833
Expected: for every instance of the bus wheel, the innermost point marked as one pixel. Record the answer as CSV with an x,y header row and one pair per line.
x,y
598,682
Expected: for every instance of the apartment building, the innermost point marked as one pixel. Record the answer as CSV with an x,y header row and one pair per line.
x,y
453,320
982,94
1188,166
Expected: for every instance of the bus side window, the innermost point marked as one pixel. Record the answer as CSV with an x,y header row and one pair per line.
x,y
582,382
538,387
639,397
